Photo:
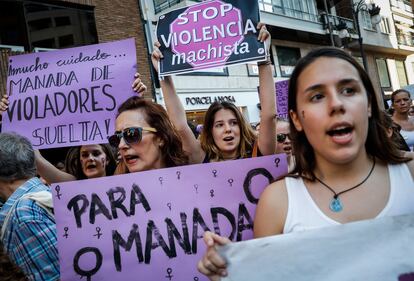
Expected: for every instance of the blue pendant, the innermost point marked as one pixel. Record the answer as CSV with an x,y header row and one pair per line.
x,y
336,205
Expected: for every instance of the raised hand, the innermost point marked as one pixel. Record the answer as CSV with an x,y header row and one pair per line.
x,y
138,85
4,103
264,35
156,55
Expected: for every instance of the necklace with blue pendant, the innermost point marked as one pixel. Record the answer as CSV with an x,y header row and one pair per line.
x,y
336,204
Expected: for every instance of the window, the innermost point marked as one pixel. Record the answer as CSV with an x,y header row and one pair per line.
x,y
266,5
36,25
40,24
287,59
383,73
366,20
402,75
161,5
253,69
62,21
302,9
407,6
404,38
384,25
66,41
402,4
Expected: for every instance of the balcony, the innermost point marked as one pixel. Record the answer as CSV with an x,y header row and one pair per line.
x,y
161,5
405,38
276,13
404,5
337,20
276,7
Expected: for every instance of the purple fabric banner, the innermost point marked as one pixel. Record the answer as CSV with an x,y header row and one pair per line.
x,y
209,34
282,98
69,97
149,225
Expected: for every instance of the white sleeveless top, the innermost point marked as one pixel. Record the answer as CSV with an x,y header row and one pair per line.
x,y
304,214
408,137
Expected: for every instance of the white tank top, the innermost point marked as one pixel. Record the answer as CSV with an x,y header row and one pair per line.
x,y
408,137
304,214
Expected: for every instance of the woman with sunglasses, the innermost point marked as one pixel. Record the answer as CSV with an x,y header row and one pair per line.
x,y
226,134
145,137
347,169
283,144
401,103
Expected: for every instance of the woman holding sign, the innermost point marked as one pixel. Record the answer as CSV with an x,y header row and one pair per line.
x,y
145,137
226,134
347,169
82,162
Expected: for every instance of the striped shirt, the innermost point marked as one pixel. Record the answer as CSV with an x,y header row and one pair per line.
x,y
30,237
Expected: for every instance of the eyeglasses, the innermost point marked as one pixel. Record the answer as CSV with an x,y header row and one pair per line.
x,y
281,137
130,135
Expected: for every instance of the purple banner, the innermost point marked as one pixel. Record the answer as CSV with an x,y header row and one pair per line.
x,y
209,34
69,97
282,98
149,225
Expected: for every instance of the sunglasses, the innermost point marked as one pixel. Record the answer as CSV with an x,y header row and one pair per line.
x,y
281,137
130,135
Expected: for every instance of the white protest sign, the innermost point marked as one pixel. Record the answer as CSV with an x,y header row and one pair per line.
x,y
380,250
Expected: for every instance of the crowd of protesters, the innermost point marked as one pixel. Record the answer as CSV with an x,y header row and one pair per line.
x,y
343,150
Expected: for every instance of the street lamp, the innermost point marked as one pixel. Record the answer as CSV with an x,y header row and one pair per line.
x,y
374,12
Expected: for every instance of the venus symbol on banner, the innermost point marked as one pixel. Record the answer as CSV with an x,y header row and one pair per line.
x,y
208,26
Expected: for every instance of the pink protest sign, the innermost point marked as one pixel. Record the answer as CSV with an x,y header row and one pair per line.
x,y
209,34
282,88
149,225
69,97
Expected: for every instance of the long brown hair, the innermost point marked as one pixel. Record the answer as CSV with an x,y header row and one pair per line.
x,y
247,135
156,117
73,165
377,143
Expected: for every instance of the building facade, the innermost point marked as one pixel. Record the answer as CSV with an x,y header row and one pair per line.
x,y
298,26
388,45
35,26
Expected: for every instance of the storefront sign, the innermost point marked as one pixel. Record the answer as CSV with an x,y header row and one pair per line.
x,y
208,100
69,97
209,34
149,225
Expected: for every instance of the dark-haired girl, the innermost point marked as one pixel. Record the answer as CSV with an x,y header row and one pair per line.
x,y
347,168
